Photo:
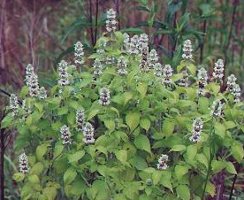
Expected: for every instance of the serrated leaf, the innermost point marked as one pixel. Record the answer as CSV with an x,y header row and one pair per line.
x,y
69,175
110,124
180,171
230,168
41,151
132,119
76,156
7,120
145,123
92,113
217,165
142,89
237,151
121,155
142,142
183,192
18,177
178,148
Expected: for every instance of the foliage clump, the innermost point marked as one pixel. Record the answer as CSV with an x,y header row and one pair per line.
x,y
127,127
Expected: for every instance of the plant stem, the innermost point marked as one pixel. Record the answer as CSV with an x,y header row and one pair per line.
x,y
211,151
96,21
91,23
233,183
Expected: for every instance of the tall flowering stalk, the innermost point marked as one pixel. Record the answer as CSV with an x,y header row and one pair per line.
x,y
218,72
111,22
184,82
202,78
162,162
79,53
217,108
13,104
122,66
158,70
196,130
187,50
153,58
63,73
80,119
98,68
65,134
233,88
23,163
134,45
167,74
88,132
104,96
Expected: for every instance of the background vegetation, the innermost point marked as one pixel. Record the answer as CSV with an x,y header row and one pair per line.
x,y
43,32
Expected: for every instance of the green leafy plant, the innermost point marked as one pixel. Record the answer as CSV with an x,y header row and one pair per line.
x,y
127,127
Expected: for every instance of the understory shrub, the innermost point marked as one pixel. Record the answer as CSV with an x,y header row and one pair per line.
x,y
119,125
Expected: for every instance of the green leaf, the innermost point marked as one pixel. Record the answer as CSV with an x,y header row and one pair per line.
x,y
202,159
168,127
121,156
139,162
132,120
69,175
34,179
50,193
183,192
41,151
230,168
92,113
156,176
76,156
142,142
217,165
178,148
180,171
7,120
145,123
220,129
166,180
37,169
191,152
142,89
237,151
18,177
210,189
110,124
58,150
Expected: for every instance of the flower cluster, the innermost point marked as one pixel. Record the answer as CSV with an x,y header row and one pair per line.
x,y
63,73
32,81
23,163
13,103
187,50
218,72
184,82
80,119
162,162
144,60
233,88
202,77
153,58
104,96
98,67
217,108
143,42
65,134
88,132
167,74
133,45
196,130
42,93
122,65
158,70
126,42
79,53
111,21
29,70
